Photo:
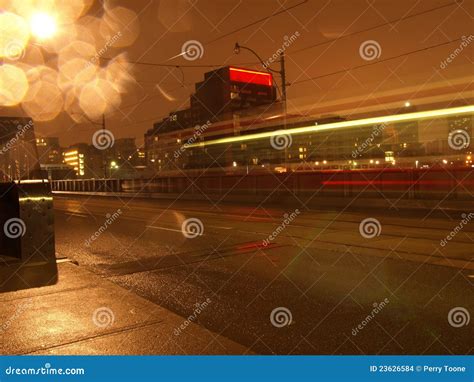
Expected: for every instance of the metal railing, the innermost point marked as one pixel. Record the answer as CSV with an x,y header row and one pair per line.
x,y
394,183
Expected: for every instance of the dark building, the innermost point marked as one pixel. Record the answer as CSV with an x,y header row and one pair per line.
x,y
18,153
123,151
49,150
223,94
85,161
229,89
123,158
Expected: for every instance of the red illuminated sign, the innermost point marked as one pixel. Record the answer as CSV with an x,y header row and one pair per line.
x,y
250,76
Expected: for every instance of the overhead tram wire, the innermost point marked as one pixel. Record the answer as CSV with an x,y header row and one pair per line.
x,y
166,65
146,99
299,50
209,42
403,18
296,51
377,62
284,10
339,71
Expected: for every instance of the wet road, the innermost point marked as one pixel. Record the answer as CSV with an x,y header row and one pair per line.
x,y
286,281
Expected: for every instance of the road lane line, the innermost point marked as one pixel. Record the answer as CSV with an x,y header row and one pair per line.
x,y
178,230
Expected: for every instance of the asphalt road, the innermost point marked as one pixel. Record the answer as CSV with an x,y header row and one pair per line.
x,y
333,289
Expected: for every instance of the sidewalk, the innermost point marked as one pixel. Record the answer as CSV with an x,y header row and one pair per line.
x,y
86,314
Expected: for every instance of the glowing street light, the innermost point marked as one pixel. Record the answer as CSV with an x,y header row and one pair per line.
x,y
42,25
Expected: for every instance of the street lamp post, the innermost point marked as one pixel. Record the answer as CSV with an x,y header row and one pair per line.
x,y
281,72
104,155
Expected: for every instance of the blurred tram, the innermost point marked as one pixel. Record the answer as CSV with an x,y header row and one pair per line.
x,y
440,139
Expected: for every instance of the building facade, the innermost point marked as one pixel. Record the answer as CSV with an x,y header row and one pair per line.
x,y
49,150
224,94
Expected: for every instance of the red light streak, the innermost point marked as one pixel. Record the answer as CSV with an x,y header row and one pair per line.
x,y
389,182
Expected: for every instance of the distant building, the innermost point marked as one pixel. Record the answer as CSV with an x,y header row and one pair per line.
x,y
85,160
49,151
18,154
123,150
122,158
140,157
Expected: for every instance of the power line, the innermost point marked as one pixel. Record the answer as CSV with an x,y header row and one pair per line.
x,y
374,27
258,21
376,62
152,96
157,82
303,49
165,65
337,72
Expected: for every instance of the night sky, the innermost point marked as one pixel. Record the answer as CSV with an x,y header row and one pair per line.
x,y
160,29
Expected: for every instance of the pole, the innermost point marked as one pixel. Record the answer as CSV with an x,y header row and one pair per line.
x,y
283,78
104,155
283,96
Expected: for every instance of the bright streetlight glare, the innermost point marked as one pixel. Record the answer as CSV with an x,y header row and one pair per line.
x,y
42,25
